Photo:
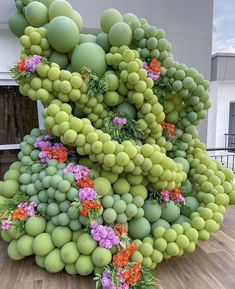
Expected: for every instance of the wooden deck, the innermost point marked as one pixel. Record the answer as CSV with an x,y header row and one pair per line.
x,y
211,266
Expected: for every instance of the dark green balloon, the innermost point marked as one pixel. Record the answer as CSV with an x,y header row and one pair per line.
x,y
17,23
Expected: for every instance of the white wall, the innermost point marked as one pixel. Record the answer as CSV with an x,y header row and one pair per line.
x,y
9,54
222,93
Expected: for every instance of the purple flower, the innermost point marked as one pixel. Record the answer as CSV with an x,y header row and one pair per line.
x,y
22,205
5,224
30,209
165,195
104,235
44,156
145,65
42,141
79,171
31,63
119,120
106,280
153,75
87,194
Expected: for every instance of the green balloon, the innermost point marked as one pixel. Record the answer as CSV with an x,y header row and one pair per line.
x,y
17,23
63,34
59,58
108,18
90,55
36,13
77,18
87,38
120,34
60,8
103,40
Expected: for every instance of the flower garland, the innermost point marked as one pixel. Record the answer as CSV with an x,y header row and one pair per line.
x,y
15,212
48,151
25,67
120,128
174,195
122,274
153,68
168,129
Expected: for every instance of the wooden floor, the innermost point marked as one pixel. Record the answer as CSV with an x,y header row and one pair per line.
x,y
211,266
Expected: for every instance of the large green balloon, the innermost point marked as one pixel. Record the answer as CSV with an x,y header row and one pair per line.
x,y
36,13
90,55
60,58
183,162
77,18
120,34
87,38
170,212
139,228
17,23
63,34
108,18
60,8
103,40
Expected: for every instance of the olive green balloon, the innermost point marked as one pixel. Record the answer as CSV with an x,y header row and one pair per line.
x,y
17,23
63,34
90,55
36,14
60,58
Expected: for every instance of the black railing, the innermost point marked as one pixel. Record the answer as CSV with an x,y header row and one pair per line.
x,y
227,157
229,140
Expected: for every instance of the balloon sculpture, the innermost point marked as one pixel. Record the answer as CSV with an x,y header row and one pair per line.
x,y
118,181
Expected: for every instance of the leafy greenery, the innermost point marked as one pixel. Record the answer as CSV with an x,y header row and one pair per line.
x,y
161,87
95,84
119,133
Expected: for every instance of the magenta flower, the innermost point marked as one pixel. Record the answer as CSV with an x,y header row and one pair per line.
x,y
5,224
165,195
121,121
42,141
104,235
32,63
79,171
30,209
87,194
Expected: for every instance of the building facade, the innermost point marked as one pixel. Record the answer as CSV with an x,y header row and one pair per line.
x,y
221,117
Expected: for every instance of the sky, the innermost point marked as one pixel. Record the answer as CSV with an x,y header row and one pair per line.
x,y
224,26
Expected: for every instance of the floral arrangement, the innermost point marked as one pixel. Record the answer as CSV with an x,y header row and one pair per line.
x,y
50,151
121,127
153,68
123,274
165,196
168,129
174,195
25,67
95,84
14,212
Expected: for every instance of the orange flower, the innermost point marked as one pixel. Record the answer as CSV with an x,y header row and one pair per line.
x,y
86,182
176,193
21,65
121,259
153,65
133,274
84,211
19,214
120,229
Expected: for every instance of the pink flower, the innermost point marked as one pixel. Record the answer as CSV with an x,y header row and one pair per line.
x,y
165,195
5,224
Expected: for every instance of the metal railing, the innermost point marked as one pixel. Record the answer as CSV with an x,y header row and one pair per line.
x,y
225,155
229,140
